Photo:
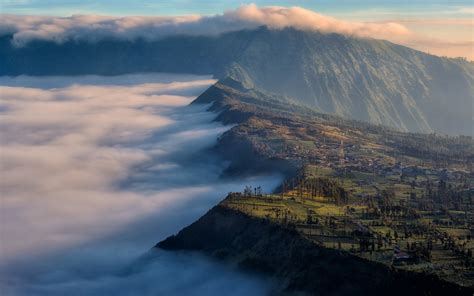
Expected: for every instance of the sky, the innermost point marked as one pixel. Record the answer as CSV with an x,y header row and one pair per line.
x,y
366,9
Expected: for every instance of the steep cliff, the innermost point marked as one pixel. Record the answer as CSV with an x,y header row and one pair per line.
x,y
301,265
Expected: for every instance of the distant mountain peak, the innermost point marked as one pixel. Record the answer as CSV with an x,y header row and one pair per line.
x,y
360,78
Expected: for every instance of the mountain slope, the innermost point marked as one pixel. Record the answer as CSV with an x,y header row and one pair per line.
x,y
300,266
364,79
369,80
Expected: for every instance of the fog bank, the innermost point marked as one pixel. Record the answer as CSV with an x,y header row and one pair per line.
x,y
95,171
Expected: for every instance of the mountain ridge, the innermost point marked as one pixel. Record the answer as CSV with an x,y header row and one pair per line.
x,y
299,265
364,79
370,80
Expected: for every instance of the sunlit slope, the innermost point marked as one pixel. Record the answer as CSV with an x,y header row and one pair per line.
x,y
370,80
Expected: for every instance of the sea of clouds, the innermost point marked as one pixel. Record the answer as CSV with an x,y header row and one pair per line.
x,y
95,171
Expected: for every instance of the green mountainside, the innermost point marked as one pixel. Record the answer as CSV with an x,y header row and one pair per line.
x,y
301,266
363,209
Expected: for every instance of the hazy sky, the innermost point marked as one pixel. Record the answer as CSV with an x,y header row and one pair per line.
x,y
444,27
367,9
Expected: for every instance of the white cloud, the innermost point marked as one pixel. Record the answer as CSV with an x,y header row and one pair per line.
x,y
95,171
465,10
63,149
93,27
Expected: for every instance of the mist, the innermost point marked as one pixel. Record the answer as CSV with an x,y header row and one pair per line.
x,y
96,171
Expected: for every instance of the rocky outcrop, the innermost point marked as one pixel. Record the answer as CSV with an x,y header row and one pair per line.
x,y
301,265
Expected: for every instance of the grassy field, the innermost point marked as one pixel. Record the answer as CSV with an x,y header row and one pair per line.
x,y
397,233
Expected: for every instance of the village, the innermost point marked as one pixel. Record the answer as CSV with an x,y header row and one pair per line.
x,y
400,199
405,217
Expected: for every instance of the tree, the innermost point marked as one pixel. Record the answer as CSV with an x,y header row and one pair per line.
x,y
441,187
248,191
402,177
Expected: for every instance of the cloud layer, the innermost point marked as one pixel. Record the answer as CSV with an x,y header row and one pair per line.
x,y
63,150
95,171
94,27
91,27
